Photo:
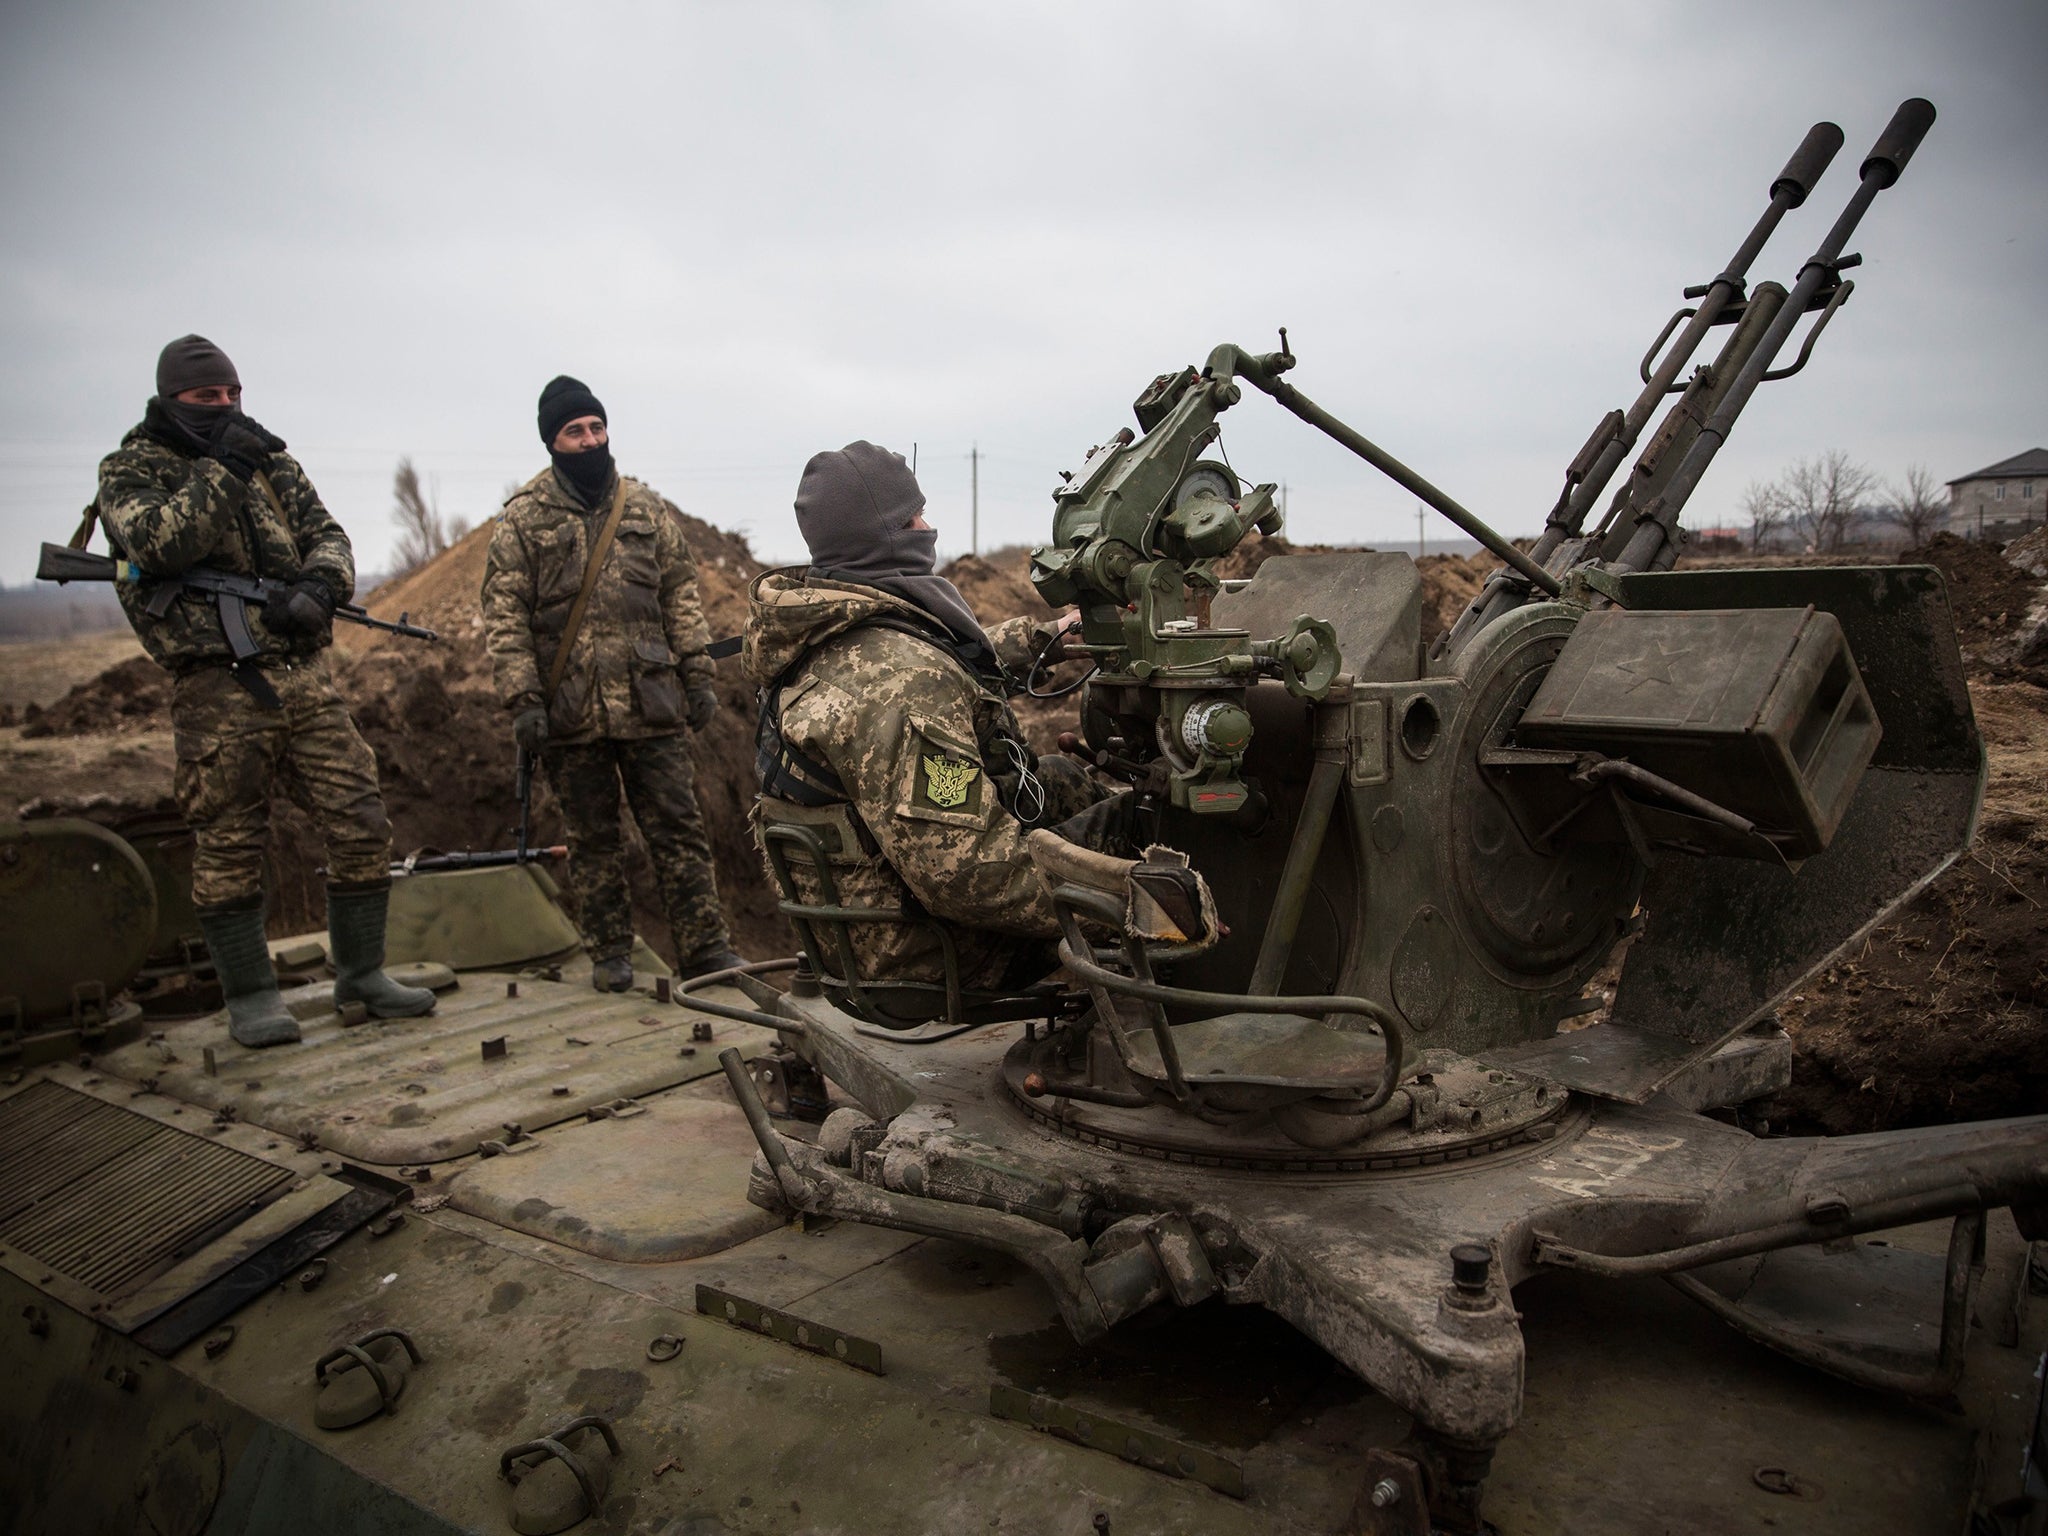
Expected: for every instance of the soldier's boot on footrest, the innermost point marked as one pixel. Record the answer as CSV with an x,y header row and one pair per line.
x,y
241,959
355,934
614,974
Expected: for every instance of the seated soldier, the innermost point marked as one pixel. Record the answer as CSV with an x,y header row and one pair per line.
x,y
885,725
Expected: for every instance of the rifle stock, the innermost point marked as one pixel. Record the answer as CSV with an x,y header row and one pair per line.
x,y
61,563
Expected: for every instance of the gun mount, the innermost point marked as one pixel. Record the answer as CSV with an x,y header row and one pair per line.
x,y
1420,859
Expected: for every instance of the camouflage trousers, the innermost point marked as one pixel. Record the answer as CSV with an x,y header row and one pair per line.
x,y
658,776
233,754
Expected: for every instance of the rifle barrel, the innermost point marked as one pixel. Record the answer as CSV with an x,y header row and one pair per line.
x,y
1823,140
1880,170
357,615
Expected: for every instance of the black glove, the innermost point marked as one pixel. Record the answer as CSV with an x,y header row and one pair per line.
x,y
242,445
703,704
530,728
307,609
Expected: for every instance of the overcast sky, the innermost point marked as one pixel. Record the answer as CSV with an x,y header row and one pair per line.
x,y
760,230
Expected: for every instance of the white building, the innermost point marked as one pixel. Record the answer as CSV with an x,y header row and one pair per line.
x,y
2001,501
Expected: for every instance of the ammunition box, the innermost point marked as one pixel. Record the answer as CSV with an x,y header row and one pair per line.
x,y
1761,711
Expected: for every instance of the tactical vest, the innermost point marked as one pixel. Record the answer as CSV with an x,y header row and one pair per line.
x,y
786,772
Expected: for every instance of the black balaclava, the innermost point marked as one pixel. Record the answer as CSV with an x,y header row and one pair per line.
x,y
855,507
565,400
190,362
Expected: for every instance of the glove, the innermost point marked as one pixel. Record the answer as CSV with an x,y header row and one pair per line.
x,y
703,704
1066,628
242,445
307,610
530,728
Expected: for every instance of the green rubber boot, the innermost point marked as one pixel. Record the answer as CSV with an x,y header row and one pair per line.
x,y
355,937
241,959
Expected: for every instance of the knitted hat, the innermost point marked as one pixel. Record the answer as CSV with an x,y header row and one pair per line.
x,y
192,362
566,400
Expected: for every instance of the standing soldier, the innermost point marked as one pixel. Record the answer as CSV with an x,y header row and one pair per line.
x,y
200,484
598,645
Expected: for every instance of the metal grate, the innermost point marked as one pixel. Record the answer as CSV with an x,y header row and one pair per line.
x,y
108,1198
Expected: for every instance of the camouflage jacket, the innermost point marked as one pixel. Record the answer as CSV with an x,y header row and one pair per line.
x,y
910,733
167,511
642,639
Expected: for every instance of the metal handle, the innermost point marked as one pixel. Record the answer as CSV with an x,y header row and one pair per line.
x,y
387,1394
552,1445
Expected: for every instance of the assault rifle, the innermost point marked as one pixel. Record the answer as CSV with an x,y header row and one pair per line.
x,y
491,858
231,595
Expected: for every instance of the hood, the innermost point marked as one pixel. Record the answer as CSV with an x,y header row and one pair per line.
x,y
789,611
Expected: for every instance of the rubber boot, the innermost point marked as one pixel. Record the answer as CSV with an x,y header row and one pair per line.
x,y
355,936
241,959
613,975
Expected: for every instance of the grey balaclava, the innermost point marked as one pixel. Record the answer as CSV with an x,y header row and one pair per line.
x,y
854,507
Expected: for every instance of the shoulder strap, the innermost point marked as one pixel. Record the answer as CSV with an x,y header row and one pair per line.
x,y
785,771
270,494
86,523
598,550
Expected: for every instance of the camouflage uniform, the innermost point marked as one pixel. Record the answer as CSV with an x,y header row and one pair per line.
x,y
917,742
167,510
619,712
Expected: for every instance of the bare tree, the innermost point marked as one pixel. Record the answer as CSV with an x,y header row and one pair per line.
x,y
1919,508
1764,505
1822,495
422,532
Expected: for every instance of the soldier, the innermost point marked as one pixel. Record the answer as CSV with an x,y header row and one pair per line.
x,y
598,645
200,484
884,702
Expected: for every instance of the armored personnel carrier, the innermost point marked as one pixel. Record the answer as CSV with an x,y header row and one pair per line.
x,y
1351,1207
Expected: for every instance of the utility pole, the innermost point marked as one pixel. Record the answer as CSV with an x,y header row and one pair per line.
x,y
974,492
1420,512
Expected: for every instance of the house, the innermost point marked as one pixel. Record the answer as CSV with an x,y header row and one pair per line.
x,y
2003,500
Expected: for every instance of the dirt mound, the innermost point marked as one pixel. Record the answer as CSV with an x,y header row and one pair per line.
x,y
1989,593
997,585
1449,583
131,695
1942,1014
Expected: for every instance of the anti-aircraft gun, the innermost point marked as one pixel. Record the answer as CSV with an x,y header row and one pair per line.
x,y
1364,1107
497,1269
